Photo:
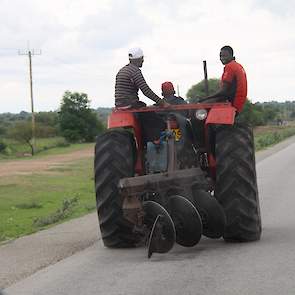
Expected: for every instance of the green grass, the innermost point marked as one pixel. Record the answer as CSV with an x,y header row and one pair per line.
x,y
31,203
62,150
17,149
45,146
270,137
59,215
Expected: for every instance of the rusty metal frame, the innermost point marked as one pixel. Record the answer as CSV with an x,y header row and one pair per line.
x,y
138,185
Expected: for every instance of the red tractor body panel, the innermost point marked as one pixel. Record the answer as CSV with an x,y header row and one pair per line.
x,y
127,119
221,115
218,113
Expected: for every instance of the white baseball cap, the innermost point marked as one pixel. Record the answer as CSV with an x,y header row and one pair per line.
x,y
135,53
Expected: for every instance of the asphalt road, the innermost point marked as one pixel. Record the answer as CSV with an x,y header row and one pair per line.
x,y
211,267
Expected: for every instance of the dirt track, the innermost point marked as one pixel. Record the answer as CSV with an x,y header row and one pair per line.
x,y
28,166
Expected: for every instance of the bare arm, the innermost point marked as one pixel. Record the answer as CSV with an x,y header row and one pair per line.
x,y
142,85
220,94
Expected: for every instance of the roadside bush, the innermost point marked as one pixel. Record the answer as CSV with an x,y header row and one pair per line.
x,y
44,131
3,147
62,143
271,138
60,214
2,130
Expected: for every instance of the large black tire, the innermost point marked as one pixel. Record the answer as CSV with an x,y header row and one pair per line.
x,y
236,183
114,159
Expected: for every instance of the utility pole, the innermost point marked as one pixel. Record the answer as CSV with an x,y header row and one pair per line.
x,y
29,53
178,90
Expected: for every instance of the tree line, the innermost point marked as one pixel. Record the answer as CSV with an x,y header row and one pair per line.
x,y
75,121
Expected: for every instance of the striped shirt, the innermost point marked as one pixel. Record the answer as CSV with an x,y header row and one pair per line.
x,y
128,81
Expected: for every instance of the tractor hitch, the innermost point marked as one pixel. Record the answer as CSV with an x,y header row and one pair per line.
x,y
160,181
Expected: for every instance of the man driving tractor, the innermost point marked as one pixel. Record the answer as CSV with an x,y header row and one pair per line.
x,y
168,93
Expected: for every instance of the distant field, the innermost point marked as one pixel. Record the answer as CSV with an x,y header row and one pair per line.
x,y
45,146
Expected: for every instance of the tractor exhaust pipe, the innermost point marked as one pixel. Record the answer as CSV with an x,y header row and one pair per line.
x,y
205,78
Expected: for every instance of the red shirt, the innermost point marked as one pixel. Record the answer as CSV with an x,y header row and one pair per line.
x,y
235,74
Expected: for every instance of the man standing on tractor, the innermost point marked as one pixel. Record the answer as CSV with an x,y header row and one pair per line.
x,y
233,81
128,81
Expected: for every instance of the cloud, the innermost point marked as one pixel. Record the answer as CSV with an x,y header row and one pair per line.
x,y
114,28
279,8
84,44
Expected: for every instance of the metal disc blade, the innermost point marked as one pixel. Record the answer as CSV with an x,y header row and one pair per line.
x,y
212,214
162,235
187,221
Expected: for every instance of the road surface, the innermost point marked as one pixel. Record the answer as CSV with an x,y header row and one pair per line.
x,y
211,267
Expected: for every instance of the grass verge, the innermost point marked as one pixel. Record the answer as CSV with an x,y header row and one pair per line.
x,y
59,215
33,202
268,136
45,146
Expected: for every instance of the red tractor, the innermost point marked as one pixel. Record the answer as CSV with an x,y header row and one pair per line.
x,y
200,178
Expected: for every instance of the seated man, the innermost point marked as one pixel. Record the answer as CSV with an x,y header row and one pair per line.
x,y
233,81
233,87
128,81
168,93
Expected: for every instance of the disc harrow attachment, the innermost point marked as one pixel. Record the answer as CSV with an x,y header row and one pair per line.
x,y
212,214
162,231
187,221
180,223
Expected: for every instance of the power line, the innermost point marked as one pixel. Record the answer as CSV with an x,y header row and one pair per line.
x,y
30,53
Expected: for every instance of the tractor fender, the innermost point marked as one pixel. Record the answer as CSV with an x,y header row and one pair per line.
x,y
221,115
125,119
121,119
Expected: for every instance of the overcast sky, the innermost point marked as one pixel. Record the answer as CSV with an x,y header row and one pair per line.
x,y
84,44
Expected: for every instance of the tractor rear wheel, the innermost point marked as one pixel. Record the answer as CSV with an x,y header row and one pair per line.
x,y
236,183
114,159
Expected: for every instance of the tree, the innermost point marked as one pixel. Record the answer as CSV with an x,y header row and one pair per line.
x,y
22,132
77,121
46,123
197,91
292,115
251,114
47,118
2,130
270,113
